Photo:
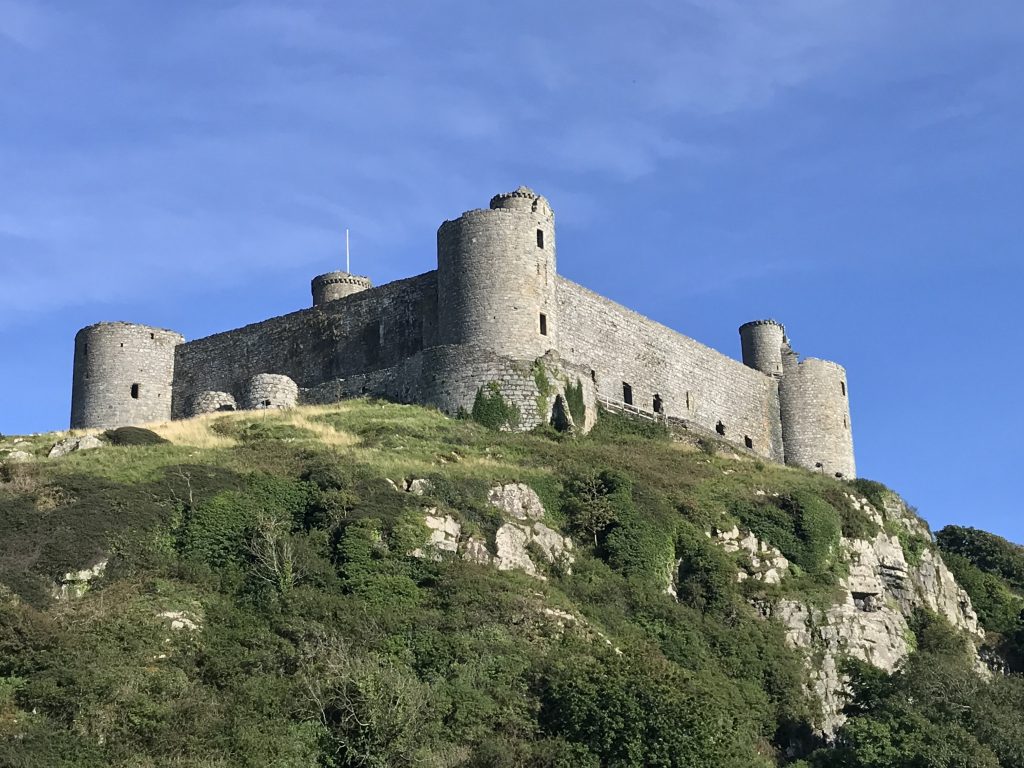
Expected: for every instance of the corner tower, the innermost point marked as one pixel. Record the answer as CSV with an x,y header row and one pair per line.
x,y
496,277
122,375
337,285
761,342
816,429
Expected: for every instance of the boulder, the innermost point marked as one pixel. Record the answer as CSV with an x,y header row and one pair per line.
x,y
517,500
72,444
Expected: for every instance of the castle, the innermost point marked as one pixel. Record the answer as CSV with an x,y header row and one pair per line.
x,y
494,317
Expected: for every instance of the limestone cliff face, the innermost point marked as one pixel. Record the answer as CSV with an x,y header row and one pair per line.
x,y
885,583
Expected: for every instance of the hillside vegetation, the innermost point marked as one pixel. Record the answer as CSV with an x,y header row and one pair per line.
x,y
259,590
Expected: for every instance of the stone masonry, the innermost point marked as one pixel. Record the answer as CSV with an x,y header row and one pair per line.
x,y
495,313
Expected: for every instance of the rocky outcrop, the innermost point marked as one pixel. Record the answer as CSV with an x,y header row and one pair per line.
x,y
182,620
523,543
444,536
72,444
74,584
879,637
515,544
517,500
882,588
761,561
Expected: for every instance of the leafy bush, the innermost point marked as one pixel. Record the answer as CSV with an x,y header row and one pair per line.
x,y
492,410
574,399
804,527
991,553
872,490
133,436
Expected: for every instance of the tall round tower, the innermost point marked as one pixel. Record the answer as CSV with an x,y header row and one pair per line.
x,y
816,429
122,375
337,285
761,341
496,277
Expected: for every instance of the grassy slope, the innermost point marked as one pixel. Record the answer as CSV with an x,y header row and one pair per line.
x,y
360,655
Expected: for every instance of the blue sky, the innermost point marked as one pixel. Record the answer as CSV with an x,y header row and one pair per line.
x,y
850,167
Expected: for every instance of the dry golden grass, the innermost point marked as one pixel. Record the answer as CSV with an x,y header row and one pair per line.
x,y
198,432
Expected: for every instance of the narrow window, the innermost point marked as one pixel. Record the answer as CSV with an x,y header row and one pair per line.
x,y
593,375
152,335
659,406
842,387
135,391
748,442
720,428
540,238
543,324
688,405
122,345
86,350
627,394
846,424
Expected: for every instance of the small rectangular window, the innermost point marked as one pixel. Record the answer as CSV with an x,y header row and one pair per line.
x,y
748,442
842,387
135,391
152,335
627,394
543,324
720,428
540,238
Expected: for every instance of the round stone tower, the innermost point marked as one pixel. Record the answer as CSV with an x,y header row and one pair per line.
x,y
761,341
122,375
337,285
496,277
816,429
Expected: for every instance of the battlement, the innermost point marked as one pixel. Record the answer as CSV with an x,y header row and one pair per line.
x,y
768,321
495,316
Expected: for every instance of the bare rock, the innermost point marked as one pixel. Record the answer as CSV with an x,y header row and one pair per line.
x,y
72,444
74,584
19,456
518,500
182,620
419,486
444,536
475,551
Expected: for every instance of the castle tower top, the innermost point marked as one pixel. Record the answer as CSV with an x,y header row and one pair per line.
x,y
522,199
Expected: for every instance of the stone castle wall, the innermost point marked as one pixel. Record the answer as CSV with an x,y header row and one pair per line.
x,y
374,329
694,382
122,375
493,311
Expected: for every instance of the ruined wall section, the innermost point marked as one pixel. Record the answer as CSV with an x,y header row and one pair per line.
x,y
694,382
371,330
122,375
816,417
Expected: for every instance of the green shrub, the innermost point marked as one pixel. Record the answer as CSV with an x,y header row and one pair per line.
x,y
133,436
872,490
991,553
492,410
612,426
594,501
801,525
574,399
